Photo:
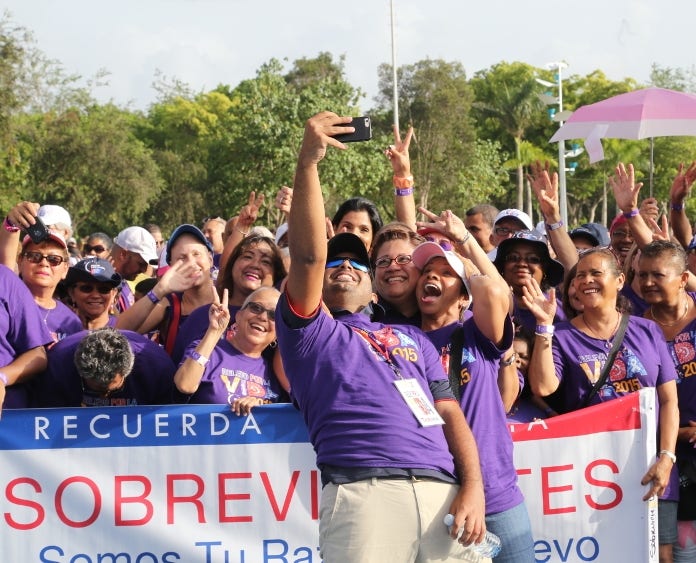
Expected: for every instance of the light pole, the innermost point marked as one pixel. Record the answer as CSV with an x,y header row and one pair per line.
x,y
558,67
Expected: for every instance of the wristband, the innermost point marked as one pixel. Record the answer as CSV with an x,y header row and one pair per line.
x,y
509,361
198,358
466,238
677,206
403,181
631,213
9,227
669,454
554,226
3,378
403,192
152,297
544,329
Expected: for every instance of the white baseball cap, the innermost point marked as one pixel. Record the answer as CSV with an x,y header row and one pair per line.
x,y
521,216
138,240
54,214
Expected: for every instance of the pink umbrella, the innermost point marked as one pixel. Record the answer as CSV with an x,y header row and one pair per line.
x,y
641,114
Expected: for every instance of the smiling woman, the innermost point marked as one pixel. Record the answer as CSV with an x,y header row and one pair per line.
x,y
232,367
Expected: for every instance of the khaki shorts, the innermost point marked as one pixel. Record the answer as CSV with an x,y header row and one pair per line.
x,y
388,520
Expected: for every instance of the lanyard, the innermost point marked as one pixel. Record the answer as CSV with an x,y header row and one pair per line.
x,y
381,350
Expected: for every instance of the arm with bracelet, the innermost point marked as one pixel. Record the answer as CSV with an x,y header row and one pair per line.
x,y
19,217
542,371
404,199
545,187
188,377
626,192
678,194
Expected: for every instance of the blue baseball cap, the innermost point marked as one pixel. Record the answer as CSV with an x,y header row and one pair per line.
x,y
186,229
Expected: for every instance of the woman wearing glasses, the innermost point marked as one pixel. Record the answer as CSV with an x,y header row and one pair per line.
x,y
233,367
92,286
99,245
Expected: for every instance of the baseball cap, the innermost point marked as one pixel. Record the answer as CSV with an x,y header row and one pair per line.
x,y
596,233
138,240
552,268
185,229
55,236
521,216
617,222
426,251
347,243
93,269
54,214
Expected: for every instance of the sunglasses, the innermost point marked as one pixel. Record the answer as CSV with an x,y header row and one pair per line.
x,y
98,248
258,309
401,260
442,242
52,259
89,288
505,231
336,262
529,259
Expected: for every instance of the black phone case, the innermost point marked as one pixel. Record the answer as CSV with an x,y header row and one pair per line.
x,y
38,231
363,131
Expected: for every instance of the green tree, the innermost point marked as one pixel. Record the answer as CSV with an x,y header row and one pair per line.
x,y
434,97
507,99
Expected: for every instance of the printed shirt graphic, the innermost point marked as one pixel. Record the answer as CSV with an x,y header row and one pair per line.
x,y
231,375
643,361
683,352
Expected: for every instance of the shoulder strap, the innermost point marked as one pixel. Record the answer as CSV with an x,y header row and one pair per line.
x,y
455,361
173,326
618,339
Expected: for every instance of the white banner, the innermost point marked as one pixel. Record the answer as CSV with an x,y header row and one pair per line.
x,y
196,484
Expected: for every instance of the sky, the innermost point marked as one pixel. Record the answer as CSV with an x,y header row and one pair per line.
x,y
209,42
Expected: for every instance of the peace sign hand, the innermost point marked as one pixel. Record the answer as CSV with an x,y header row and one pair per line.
x,y
219,313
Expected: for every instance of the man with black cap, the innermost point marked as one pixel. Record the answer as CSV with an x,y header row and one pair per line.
x,y
374,397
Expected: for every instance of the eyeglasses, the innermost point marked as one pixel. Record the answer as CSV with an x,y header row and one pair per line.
x,y
98,248
257,309
621,234
442,242
89,288
160,243
52,259
505,231
401,260
336,262
515,258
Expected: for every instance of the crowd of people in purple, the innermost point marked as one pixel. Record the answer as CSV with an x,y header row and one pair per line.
x,y
407,347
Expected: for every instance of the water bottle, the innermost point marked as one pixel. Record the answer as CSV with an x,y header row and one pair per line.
x,y
489,547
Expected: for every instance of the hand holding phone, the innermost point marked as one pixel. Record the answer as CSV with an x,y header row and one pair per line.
x,y
38,231
363,130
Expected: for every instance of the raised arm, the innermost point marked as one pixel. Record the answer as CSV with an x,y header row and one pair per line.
x,y
626,192
306,223
678,194
245,221
404,200
545,187
20,216
542,372
490,292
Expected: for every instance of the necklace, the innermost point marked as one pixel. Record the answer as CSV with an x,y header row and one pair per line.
x,y
599,337
671,323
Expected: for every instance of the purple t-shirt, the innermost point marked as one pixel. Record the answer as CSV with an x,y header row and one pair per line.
x,y
643,361
345,390
151,382
193,328
483,408
21,329
61,321
638,304
683,352
231,375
